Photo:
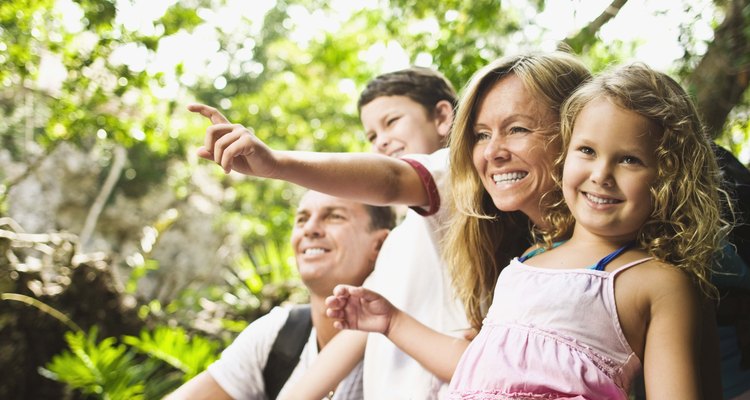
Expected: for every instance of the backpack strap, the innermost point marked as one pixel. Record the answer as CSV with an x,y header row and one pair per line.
x,y
285,353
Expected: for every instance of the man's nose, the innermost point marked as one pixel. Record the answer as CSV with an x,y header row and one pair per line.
x,y
313,227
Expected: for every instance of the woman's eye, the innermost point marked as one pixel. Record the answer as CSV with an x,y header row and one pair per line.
x,y
391,121
518,129
480,136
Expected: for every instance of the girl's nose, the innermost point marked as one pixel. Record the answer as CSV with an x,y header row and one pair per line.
x,y
602,174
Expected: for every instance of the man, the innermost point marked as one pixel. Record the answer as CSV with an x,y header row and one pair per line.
x,y
334,241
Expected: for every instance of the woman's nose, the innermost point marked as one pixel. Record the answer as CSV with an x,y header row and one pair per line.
x,y
496,149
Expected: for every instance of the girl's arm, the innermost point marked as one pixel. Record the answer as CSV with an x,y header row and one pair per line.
x,y
368,178
363,309
672,346
335,361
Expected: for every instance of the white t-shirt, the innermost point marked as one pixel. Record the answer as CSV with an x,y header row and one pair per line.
x,y
239,371
410,273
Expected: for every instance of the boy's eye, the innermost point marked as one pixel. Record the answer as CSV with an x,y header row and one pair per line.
x,y
300,220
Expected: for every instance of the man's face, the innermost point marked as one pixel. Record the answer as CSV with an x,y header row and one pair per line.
x,y
398,125
333,242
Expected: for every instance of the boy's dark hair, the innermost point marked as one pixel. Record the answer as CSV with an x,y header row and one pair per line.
x,y
425,86
381,217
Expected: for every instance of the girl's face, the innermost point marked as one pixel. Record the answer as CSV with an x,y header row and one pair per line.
x,y
398,125
511,152
609,169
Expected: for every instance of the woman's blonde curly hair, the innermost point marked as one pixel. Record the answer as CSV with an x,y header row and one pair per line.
x,y
686,227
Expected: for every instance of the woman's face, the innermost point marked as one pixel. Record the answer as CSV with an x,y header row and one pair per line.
x,y
512,154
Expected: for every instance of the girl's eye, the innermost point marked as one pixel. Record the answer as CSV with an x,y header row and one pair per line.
x,y
371,137
586,150
631,160
300,221
391,121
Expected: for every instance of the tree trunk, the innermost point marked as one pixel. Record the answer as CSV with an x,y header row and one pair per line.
x,y
720,79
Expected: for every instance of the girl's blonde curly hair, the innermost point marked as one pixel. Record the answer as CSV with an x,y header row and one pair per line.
x,y
686,227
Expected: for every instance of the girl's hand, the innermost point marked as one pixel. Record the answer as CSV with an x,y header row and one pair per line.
x,y
359,308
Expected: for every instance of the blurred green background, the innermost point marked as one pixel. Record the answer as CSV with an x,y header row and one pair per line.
x,y
128,263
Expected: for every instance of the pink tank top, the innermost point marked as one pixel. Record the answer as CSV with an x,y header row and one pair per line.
x,y
549,334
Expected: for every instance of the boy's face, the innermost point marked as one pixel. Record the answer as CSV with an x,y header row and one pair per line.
x,y
397,125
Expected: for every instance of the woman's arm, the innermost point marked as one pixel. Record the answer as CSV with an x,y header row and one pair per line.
x,y
368,178
672,347
363,309
335,361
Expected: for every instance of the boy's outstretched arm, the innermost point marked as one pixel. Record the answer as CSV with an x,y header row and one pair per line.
x,y
362,309
368,178
334,362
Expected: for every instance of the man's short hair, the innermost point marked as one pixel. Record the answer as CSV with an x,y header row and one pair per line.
x,y
425,86
380,217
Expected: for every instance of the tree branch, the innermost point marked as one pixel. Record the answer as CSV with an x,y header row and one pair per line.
x,y
587,35
120,157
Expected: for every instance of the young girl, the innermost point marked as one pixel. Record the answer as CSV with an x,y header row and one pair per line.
x,y
625,264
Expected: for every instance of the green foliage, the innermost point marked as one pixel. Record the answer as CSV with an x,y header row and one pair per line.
x,y
176,348
105,369
144,367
